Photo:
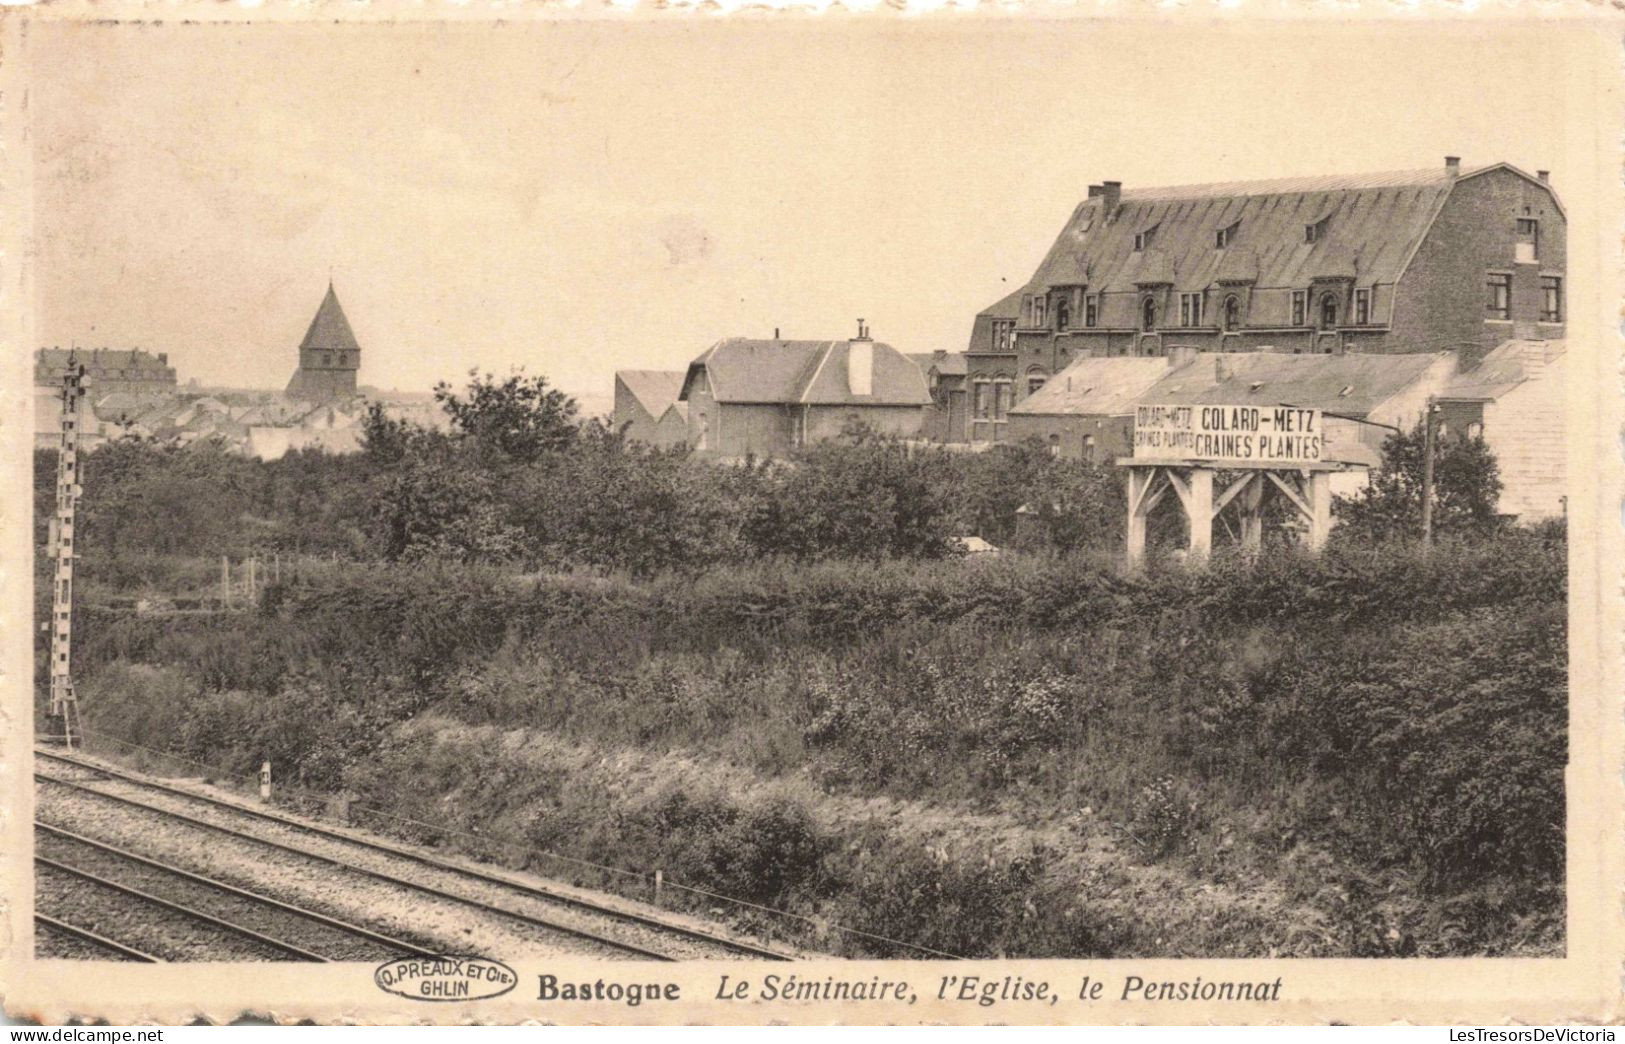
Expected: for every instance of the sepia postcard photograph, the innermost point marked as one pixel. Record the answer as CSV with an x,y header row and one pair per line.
x,y
574,515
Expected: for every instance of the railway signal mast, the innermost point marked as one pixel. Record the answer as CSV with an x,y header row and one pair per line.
x,y
64,704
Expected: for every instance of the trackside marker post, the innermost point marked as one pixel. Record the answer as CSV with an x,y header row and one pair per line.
x,y
265,781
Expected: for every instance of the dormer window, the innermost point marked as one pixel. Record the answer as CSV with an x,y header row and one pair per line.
x,y
1316,232
1063,314
1225,236
1038,311
1142,240
1091,310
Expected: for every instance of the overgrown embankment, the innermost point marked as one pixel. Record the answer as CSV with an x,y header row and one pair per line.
x,y
1360,753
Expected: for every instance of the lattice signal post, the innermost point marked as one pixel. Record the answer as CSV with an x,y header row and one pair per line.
x,y
64,703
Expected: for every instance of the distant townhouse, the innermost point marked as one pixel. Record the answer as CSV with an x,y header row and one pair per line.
x,y
647,408
1410,261
767,397
107,370
945,380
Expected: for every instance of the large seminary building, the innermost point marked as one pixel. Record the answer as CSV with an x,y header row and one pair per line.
x,y
1434,260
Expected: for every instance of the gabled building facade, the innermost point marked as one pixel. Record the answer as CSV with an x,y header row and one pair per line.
x,y
647,409
1400,262
766,398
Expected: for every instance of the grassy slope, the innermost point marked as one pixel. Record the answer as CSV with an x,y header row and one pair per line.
x,y
1296,758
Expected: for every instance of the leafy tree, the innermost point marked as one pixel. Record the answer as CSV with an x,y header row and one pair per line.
x,y
517,418
1466,487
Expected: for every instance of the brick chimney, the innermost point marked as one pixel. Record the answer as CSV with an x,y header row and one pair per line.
x,y
860,362
1095,190
1112,194
1181,355
1545,176
1452,166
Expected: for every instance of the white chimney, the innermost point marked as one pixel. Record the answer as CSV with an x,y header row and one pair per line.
x,y
860,363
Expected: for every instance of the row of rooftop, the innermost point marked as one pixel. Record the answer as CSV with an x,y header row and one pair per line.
x,y
1363,295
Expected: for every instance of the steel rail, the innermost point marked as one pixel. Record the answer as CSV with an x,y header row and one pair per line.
x,y
643,920
265,900
185,911
92,937
539,922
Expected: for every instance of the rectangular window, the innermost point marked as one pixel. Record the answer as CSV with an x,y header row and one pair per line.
x,y
979,400
1001,400
1551,299
1142,240
1004,335
1499,303
1362,306
1091,310
1190,310
1038,311
1528,248
1300,301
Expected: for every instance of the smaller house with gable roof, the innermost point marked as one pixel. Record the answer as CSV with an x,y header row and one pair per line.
x,y
766,398
647,409
1515,398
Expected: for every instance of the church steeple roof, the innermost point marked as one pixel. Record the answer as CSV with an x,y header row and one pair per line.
x,y
330,330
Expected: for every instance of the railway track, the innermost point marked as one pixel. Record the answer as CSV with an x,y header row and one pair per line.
x,y
308,933
61,939
620,931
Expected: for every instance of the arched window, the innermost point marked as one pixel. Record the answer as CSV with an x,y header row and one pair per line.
x,y
1089,448
1148,314
1063,314
704,441
1055,445
1232,312
1328,311
1035,379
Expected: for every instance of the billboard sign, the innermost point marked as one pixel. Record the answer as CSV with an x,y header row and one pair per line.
x,y
1229,436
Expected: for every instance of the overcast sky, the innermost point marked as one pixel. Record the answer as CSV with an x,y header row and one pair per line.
x,y
582,197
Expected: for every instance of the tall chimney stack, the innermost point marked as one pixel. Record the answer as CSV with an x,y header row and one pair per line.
x,y
860,362
1112,193
1452,166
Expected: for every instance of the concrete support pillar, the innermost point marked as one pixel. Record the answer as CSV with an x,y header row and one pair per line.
x,y
1319,488
1200,510
1250,503
1138,480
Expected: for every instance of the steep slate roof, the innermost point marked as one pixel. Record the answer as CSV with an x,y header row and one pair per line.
x,y
813,372
654,389
1353,383
1373,224
952,364
1101,387
1509,365
330,330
